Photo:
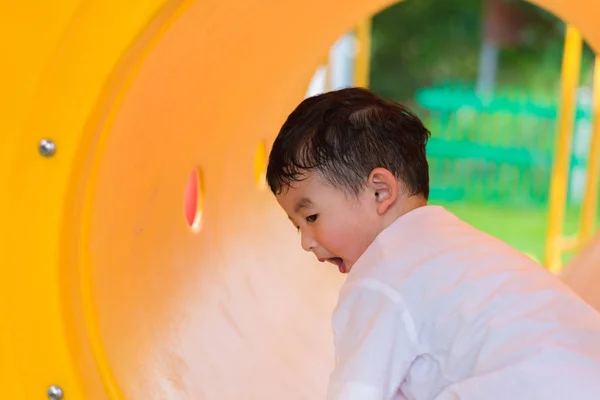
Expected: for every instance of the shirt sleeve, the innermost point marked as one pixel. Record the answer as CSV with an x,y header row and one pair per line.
x,y
375,343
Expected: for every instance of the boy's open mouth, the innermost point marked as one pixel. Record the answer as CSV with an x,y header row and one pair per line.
x,y
339,262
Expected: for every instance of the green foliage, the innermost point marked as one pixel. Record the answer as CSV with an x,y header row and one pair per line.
x,y
419,43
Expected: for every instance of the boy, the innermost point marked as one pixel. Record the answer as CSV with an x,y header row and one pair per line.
x,y
431,307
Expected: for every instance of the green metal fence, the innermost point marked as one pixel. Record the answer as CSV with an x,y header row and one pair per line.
x,y
497,149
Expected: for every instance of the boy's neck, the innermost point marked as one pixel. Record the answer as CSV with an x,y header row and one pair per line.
x,y
403,206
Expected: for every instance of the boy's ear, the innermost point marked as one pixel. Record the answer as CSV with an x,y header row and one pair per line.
x,y
384,188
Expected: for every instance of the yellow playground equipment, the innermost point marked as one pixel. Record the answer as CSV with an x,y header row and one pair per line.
x,y
113,114
557,243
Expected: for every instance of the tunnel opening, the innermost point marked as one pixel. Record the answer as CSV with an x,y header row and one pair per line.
x,y
487,82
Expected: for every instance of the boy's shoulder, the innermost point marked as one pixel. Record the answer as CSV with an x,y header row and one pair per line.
x,y
431,249
417,238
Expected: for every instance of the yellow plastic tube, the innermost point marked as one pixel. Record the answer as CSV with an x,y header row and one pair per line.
x,y
109,109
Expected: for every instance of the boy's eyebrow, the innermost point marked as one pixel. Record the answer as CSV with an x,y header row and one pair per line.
x,y
302,203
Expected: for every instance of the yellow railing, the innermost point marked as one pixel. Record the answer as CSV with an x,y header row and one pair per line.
x,y
363,54
557,243
590,202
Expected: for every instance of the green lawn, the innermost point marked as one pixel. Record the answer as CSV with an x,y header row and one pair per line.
x,y
523,228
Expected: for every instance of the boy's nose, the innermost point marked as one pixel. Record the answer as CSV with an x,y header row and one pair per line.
x,y
308,243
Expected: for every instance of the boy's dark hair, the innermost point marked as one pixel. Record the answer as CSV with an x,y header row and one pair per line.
x,y
344,135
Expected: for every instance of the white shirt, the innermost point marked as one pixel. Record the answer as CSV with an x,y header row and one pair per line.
x,y
435,309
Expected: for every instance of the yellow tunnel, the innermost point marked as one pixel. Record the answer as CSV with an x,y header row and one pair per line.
x,y
107,107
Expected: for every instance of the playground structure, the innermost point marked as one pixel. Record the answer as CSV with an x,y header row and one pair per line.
x,y
112,111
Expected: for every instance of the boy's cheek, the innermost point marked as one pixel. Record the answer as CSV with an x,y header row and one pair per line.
x,y
338,243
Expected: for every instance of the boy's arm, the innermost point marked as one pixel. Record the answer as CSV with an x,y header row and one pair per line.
x,y
375,343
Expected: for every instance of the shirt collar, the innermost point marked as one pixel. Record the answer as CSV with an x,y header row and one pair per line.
x,y
389,241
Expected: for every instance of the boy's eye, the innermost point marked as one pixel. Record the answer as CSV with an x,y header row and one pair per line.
x,y
312,218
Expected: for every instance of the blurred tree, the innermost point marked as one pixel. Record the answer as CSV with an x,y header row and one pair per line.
x,y
418,43
503,23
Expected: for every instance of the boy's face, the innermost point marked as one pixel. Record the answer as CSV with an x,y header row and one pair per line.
x,y
335,227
